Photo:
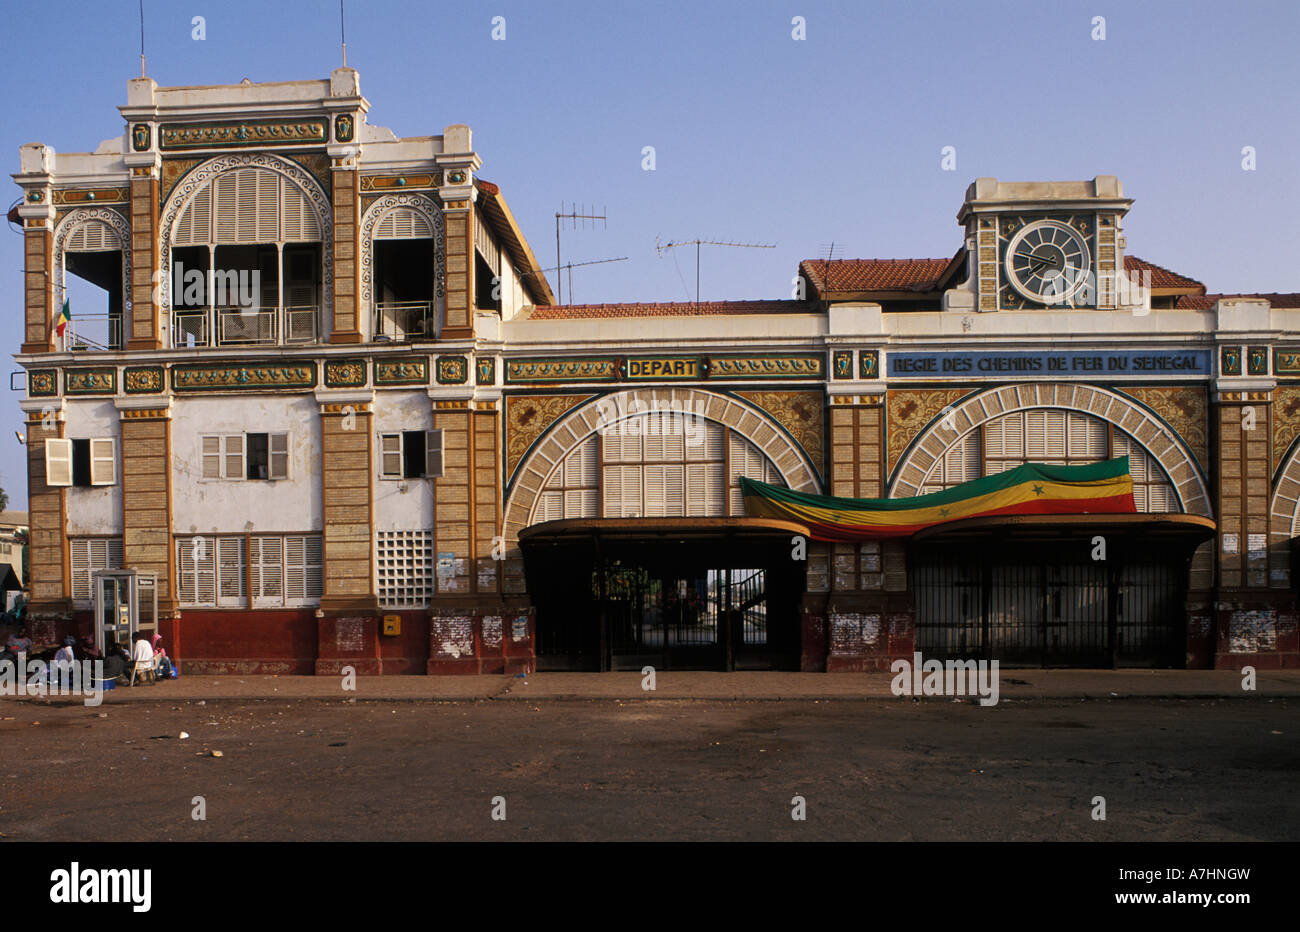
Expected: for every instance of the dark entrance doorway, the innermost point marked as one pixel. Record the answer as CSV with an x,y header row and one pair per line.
x,y
674,594
1039,592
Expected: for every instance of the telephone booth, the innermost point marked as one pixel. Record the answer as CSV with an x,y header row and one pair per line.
x,y
126,606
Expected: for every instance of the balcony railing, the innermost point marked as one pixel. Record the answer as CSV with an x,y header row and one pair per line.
x,y
242,326
93,332
402,321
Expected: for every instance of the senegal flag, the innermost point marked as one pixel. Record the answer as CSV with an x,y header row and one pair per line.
x,y
1031,489
65,316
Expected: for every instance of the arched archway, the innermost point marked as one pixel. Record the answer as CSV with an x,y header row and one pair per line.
x,y
570,431
427,222
95,229
1150,434
202,175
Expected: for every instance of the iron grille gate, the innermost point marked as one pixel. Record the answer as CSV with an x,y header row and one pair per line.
x,y
1047,607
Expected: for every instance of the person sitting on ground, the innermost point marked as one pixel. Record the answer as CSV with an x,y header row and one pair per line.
x,y
65,653
162,663
116,662
85,649
7,656
20,643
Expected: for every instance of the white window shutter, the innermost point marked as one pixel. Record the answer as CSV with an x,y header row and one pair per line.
x,y
211,456
230,570
433,453
279,456
58,461
103,462
255,568
79,551
270,589
390,456
295,579
234,456
184,571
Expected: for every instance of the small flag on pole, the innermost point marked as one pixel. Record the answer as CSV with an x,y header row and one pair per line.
x,y
65,316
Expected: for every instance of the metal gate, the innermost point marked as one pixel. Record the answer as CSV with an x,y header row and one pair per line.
x,y
1045,607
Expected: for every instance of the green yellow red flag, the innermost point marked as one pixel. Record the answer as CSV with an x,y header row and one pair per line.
x,y
1031,489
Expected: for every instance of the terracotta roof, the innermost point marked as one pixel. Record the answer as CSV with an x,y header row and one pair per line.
x,y
1204,302
1160,276
677,309
873,274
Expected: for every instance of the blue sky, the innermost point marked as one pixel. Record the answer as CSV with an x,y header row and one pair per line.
x,y
757,137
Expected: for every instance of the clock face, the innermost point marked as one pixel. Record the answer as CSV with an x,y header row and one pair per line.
x,y
1048,261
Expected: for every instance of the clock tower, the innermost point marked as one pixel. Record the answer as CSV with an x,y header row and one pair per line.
x,y
1041,245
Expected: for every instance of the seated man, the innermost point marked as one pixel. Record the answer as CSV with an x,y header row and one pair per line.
x,y
142,655
116,661
20,643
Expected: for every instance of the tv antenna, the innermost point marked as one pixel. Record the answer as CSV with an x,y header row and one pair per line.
x,y
571,266
574,215
697,243
828,256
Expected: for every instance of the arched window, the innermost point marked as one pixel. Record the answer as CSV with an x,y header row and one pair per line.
x,y
658,464
90,243
402,246
246,253
1057,437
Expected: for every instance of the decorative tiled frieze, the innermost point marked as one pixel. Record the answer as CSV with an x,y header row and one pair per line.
x,y
242,133
1230,360
412,182
80,196
1257,360
227,378
1183,408
561,370
768,366
142,380
842,364
345,373
98,381
485,371
406,370
453,370
1286,361
41,382
869,364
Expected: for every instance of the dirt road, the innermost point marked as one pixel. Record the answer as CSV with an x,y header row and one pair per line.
x,y
1169,770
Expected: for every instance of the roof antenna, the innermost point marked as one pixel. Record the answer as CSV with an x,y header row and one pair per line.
x,y
143,74
660,247
343,36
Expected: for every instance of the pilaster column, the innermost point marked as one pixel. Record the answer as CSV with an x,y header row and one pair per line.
x,y
144,318
48,563
147,493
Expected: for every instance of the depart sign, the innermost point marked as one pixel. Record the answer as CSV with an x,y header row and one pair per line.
x,y
663,367
1055,363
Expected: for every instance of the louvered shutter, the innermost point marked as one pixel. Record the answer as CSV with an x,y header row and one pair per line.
x,y
211,455
58,461
194,228
300,223
295,582
550,507
93,236
103,462
390,456
433,453
79,553
184,572
403,223
279,455
268,564
1088,437
313,567
230,570
234,456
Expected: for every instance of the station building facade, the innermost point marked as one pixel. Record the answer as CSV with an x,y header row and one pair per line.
x,y
333,407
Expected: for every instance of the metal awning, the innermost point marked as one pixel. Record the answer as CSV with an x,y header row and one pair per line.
x,y
659,529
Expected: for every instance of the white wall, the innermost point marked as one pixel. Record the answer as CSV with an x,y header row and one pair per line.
x,y
98,509
401,504
207,505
